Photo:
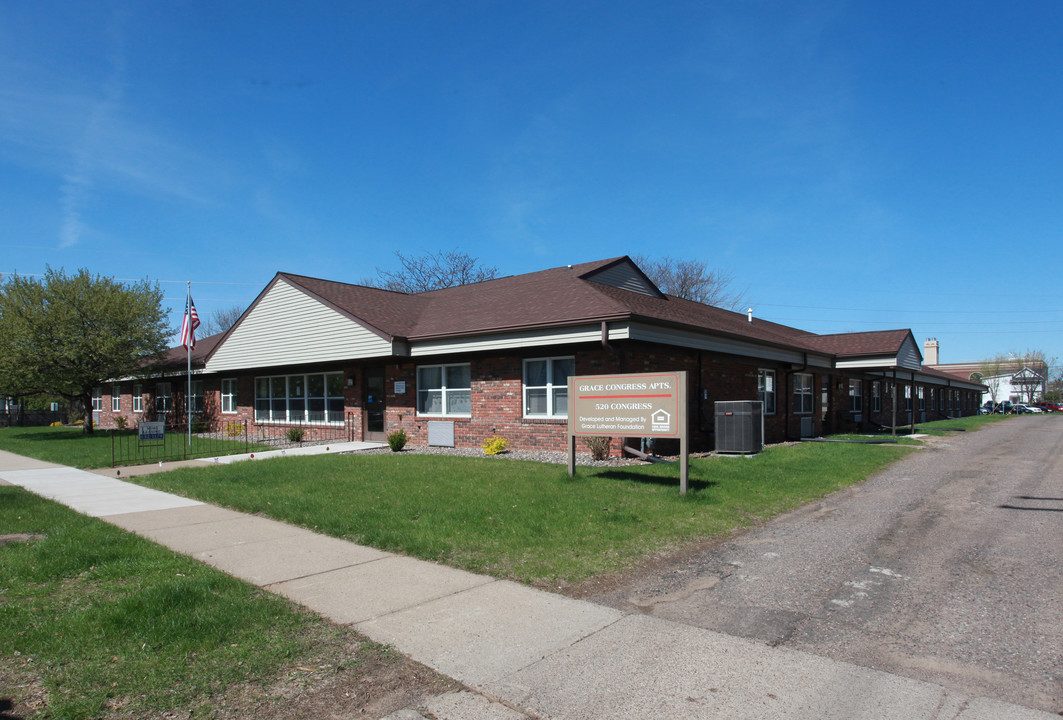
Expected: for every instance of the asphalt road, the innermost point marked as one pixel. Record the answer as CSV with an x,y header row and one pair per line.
x,y
947,567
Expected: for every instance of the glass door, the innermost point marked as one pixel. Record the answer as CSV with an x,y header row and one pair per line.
x,y
374,407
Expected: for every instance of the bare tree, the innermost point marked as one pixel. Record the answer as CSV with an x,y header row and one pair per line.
x,y
432,271
691,280
222,320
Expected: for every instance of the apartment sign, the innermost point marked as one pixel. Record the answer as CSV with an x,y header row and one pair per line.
x,y
630,405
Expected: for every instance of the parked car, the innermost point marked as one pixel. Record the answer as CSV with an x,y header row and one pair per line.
x,y
1050,407
1021,409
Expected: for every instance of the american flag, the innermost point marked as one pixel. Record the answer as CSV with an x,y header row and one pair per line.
x,y
189,325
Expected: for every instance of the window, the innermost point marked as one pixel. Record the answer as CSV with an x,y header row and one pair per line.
x,y
195,403
97,399
162,397
920,393
228,395
116,399
856,396
802,394
546,386
138,398
314,398
444,390
876,396
907,398
766,390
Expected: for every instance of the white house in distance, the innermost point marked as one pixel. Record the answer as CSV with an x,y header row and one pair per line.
x,y
1019,380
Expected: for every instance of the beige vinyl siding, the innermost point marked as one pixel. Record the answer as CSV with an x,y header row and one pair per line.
x,y
288,327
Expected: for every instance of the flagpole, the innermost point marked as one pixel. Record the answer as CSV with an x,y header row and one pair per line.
x,y
188,351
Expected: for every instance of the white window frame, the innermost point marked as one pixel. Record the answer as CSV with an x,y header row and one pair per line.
x,y
138,398
553,389
116,398
804,392
163,397
856,396
876,396
97,399
228,396
283,383
767,390
921,395
907,398
448,395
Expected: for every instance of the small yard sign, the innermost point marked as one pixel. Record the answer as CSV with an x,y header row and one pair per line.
x,y
629,405
151,431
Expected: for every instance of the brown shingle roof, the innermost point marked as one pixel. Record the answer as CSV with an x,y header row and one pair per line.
x,y
878,342
555,298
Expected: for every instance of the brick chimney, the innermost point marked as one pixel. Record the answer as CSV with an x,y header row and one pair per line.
x,y
930,351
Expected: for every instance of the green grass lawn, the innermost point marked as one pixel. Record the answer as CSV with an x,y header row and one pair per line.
x,y
71,446
99,622
524,520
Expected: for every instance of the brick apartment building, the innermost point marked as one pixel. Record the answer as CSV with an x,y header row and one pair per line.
x,y
457,365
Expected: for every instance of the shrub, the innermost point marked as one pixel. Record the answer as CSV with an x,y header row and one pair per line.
x,y
200,426
120,422
598,445
494,445
295,434
234,429
397,440
57,423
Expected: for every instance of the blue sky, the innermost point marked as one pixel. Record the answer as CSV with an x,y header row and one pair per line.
x,y
854,165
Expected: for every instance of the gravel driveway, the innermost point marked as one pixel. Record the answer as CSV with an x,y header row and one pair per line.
x,y
947,567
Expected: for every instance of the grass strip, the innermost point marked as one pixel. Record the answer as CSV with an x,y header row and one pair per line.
x,y
97,622
523,520
71,446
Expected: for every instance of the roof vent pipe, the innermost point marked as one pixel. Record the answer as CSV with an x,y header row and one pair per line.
x,y
750,314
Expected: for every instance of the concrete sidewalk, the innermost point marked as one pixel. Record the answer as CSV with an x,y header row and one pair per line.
x,y
530,654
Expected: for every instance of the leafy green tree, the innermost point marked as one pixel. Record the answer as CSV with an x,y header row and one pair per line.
x,y
66,335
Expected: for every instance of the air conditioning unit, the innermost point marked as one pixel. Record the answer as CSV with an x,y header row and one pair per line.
x,y
739,426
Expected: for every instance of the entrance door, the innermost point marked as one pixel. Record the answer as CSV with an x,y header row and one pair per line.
x,y
373,409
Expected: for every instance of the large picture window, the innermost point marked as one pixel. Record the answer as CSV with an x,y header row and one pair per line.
x,y
546,386
228,395
803,398
312,398
444,390
766,390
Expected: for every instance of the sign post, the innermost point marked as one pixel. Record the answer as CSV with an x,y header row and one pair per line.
x,y
630,405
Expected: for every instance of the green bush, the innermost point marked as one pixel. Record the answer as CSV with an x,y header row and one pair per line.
x,y
397,440
599,446
120,422
494,445
295,434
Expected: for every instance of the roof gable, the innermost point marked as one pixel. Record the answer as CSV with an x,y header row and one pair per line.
x,y
273,332
623,274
